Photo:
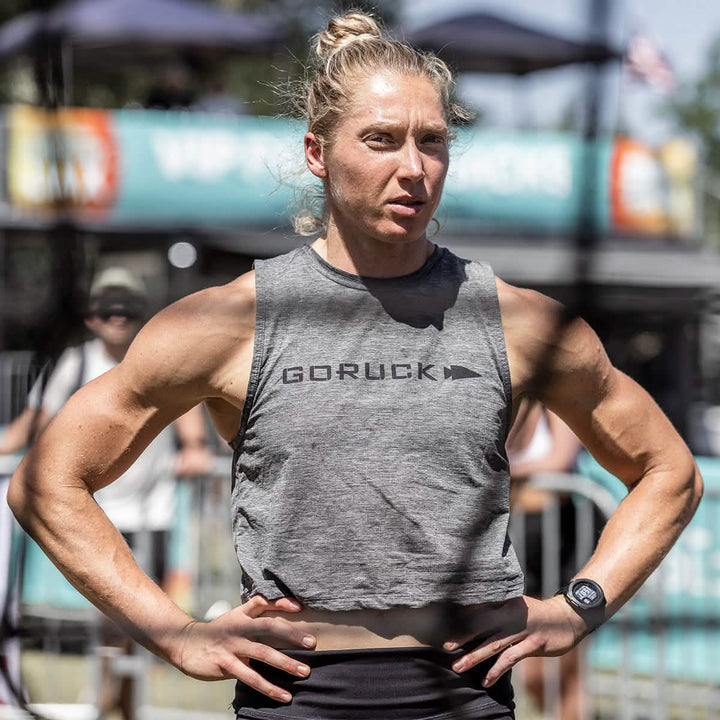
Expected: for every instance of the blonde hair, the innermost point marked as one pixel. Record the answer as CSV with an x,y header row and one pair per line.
x,y
353,45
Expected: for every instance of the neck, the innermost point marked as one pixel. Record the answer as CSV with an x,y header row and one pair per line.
x,y
370,257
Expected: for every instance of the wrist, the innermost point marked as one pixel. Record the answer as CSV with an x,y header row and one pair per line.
x,y
586,599
580,626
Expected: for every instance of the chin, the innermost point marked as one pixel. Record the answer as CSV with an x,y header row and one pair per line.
x,y
400,234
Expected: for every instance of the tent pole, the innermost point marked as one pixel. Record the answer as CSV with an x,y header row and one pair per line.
x,y
66,60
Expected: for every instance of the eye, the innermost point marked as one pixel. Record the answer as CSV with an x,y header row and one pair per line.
x,y
379,140
434,139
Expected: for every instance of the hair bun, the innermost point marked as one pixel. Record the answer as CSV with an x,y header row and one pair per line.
x,y
343,30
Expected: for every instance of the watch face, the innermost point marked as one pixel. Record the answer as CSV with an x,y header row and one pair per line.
x,y
586,593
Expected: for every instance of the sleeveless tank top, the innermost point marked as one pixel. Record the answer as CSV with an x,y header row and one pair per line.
x,y
370,468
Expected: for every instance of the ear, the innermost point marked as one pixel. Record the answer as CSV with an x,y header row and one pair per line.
x,y
314,156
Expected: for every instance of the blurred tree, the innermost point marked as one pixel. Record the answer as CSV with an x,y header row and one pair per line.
x,y
696,110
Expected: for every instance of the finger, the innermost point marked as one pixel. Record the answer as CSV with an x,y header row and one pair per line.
x,y
279,629
492,646
245,674
271,656
507,660
285,604
259,604
255,606
458,642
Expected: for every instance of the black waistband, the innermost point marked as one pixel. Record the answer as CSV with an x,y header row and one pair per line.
x,y
379,684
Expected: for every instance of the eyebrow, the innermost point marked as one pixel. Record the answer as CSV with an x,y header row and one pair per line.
x,y
384,126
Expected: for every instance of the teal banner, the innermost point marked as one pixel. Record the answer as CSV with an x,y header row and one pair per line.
x,y
140,167
187,167
181,166
523,180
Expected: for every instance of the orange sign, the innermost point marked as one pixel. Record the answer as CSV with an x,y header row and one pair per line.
x,y
66,159
638,202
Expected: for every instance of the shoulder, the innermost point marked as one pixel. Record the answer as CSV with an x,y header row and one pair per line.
x,y
227,305
192,341
544,343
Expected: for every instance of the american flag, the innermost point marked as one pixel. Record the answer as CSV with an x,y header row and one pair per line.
x,y
645,62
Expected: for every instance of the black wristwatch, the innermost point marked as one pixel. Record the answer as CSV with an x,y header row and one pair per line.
x,y
587,598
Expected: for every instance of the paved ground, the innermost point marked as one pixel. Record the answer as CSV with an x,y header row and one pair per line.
x,y
72,680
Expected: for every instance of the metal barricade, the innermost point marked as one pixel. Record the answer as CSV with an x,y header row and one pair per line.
x,y
62,634
18,370
658,658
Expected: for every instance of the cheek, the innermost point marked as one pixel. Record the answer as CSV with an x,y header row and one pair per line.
x,y
436,168
352,182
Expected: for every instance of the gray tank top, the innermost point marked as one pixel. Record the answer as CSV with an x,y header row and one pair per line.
x,y
370,467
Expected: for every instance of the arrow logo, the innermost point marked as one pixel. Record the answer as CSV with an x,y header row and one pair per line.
x,y
458,372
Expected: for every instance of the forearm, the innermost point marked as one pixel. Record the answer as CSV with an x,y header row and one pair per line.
x,y
642,530
76,534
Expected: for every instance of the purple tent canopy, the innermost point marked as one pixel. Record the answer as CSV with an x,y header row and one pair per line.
x,y
19,33
483,42
123,23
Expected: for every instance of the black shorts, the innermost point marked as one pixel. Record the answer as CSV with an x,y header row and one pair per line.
x,y
534,576
159,543
379,684
568,560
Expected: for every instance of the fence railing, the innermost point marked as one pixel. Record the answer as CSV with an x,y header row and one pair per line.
x,y
657,658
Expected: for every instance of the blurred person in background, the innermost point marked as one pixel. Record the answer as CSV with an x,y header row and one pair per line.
x,y
143,499
540,442
172,90
366,382
218,100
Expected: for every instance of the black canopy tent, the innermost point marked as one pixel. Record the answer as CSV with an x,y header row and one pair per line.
x,y
115,33
97,24
483,42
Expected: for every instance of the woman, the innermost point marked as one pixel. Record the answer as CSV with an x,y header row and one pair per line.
x,y
365,382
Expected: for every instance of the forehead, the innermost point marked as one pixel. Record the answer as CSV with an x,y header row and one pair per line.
x,y
396,99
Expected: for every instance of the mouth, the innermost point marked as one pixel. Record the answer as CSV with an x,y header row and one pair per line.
x,y
407,206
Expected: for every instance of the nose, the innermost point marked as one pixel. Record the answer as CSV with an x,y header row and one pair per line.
x,y
411,162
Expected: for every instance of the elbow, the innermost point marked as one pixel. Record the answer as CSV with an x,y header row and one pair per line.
x,y
19,497
697,488
692,489
16,497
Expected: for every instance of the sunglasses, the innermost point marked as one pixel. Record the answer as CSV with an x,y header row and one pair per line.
x,y
126,313
117,306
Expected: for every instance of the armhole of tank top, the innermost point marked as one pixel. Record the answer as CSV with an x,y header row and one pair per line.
x,y
257,358
501,345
